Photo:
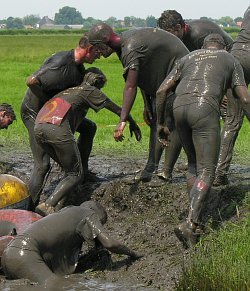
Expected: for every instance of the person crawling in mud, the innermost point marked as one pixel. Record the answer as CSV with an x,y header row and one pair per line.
x,y
7,115
201,80
54,131
51,246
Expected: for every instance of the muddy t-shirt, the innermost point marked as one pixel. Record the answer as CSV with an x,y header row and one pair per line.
x,y
204,76
59,72
152,52
197,30
81,99
58,237
241,46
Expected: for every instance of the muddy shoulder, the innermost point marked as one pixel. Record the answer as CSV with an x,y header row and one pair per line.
x,y
142,215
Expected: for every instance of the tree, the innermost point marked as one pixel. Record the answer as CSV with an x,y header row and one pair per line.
x,y
14,23
68,15
90,21
127,21
111,21
31,19
151,21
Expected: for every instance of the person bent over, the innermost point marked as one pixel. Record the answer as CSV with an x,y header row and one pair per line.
x,y
7,115
56,124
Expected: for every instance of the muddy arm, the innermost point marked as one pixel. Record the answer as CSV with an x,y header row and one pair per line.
x,y
35,87
116,246
242,93
133,127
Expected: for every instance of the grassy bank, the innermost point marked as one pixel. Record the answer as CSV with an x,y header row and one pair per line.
x,y
221,262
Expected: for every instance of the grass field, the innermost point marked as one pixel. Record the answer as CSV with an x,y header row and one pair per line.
x,y
21,55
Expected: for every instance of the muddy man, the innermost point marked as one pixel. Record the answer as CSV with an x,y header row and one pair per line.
x,y
147,56
202,78
50,247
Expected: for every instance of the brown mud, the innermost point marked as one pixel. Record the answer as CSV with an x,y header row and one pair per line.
x,y
142,215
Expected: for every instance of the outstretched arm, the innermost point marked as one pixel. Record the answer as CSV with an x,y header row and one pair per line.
x,y
129,94
134,128
116,246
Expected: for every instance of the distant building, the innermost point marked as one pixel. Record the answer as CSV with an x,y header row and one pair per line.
x,y
239,23
47,23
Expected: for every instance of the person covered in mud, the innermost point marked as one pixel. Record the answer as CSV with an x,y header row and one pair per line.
x,y
147,56
235,113
201,79
56,124
62,70
51,246
7,115
192,34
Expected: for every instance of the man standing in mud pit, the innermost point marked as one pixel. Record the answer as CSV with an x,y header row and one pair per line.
x,y
7,115
147,56
192,34
235,113
56,124
60,71
202,78
51,246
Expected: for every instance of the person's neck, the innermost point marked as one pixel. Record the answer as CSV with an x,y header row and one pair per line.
x,y
115,41
78,54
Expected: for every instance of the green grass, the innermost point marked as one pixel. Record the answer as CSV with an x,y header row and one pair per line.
x,y
23,54
221,262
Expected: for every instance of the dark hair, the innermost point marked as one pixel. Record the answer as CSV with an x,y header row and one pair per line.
x,y
214,38
83,42
94,77
169,19
99,33
8,110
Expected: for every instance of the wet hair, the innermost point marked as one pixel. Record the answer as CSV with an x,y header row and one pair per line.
x,y
169,19
94,77
83,42
8,110
99,33
214,39
98,208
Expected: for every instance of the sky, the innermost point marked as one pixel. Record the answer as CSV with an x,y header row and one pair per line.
x,y
103,9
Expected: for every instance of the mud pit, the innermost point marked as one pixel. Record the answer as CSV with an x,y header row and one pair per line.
x,y
143,215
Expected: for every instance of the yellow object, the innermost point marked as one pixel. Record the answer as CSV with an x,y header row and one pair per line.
x,y
12,191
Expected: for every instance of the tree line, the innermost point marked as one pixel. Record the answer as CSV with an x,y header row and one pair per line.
x,y
70,16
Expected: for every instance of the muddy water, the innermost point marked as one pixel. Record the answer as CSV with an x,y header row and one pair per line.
x,y
73,283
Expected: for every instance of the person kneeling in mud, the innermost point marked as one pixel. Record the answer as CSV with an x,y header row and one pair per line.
x,y
54,130
51,246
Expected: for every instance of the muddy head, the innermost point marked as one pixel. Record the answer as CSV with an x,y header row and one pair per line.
x,y
98,208
103,37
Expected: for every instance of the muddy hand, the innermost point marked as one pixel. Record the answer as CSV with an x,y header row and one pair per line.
x,y
118,133
135,256
134,128
163,134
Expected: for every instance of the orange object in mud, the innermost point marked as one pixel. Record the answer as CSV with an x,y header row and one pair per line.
x,y
13,192
13,222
